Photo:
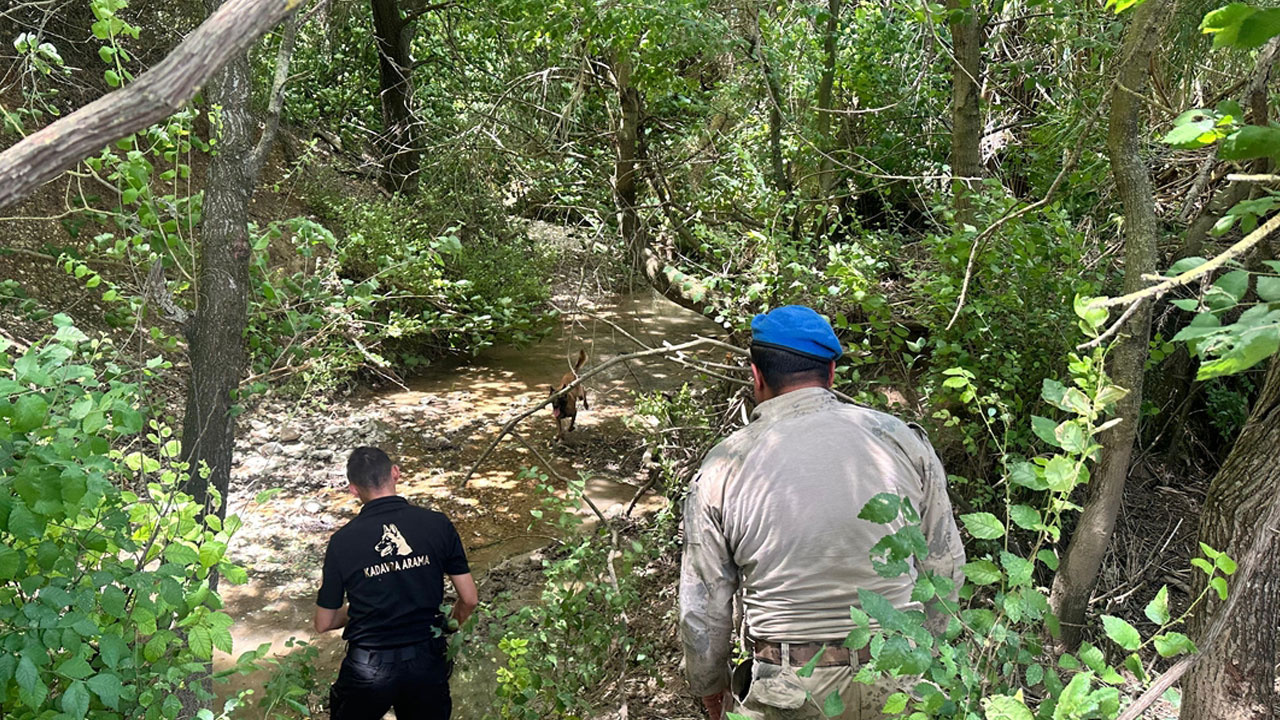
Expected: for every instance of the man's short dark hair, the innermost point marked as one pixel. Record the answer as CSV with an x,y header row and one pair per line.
x,y
781,369
368,467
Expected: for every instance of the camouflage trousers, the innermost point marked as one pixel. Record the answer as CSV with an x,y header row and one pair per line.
x,y
777,693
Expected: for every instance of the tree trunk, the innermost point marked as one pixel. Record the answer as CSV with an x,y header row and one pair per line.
x,y
826,91
216,334
1126,361
155,95
627,138
966,117
757,52
399,141
1236,680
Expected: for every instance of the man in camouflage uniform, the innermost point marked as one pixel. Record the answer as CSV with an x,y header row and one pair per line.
x,y
773,514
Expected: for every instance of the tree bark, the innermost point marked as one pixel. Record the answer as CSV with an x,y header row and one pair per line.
x,y
757,52
1236,680
627,139
826,92
1075,579
399,142
216,334
155,95
967,30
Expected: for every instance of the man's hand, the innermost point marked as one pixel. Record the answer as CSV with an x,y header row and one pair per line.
x,y
716,704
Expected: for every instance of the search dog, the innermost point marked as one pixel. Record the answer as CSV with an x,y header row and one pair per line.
x,y
566,406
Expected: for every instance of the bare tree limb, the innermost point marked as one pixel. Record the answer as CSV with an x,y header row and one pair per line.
x,y
507,428
276,104
1208,266
155,95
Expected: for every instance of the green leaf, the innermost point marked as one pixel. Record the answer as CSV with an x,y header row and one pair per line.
x,y
1027,475
211,552
983,525
1157,611
833,706
1192,135
1251,346
1250,141
881,509
1049,559
1004,707
1219,583
1044,429
1061,474
896,703
1268,288
201,642
1121,632
27,675
1224,563
29,413
107,687
113,650
1185,264
1173,643
75,668
1018,568
11,562
181,554
75,700
1025,516
982,572
1234,283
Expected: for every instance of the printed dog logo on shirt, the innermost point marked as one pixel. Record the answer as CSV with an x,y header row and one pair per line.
x,y
392,541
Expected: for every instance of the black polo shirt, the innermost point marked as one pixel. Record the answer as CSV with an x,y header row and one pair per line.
x,y
390,562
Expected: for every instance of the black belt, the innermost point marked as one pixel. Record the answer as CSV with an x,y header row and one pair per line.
x,y
378,656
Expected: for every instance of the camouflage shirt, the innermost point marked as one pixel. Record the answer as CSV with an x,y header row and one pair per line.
x,y
773,512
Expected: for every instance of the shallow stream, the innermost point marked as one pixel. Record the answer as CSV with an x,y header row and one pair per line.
x,y
436,429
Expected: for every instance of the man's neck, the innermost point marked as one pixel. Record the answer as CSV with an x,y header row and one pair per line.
x,y
769,393
368,496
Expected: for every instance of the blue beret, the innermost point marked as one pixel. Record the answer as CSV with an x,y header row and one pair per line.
x,y
798,329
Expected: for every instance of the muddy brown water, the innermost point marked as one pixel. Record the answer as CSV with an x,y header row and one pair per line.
x,y
436,429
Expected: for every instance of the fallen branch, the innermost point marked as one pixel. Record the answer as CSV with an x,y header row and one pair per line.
x,y
155,95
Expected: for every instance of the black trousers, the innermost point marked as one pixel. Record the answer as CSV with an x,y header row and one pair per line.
x,y
414,680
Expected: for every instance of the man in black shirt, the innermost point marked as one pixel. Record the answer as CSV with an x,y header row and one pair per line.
x,y
390,563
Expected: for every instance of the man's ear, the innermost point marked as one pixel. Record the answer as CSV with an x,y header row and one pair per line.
x,y
351,488
831,374
757,379
395,473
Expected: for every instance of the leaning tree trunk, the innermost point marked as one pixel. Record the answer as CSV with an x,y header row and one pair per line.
x,y
1236,680
627,139
966,116
1078,573
399,141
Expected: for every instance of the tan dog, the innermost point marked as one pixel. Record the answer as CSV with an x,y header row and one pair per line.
x,y
566,406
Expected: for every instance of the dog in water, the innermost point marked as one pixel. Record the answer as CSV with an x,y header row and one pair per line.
x,y
566,406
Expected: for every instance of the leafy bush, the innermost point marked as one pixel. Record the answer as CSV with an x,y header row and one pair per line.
x,y
553,653
107,604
